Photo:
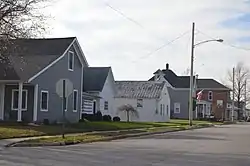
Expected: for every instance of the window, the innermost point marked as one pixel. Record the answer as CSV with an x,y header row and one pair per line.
x,y
210,95
71,60
139,103
167,110
177,108
44,100
220,103
106,105
163,112
14,102
75,100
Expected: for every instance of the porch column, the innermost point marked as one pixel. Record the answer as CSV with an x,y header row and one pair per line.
x,y
35,103
20,99
196,111
203,110
2,92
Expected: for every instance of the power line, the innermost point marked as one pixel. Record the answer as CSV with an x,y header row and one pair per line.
x,y
225,43
164,45
131,19
141,26
124,15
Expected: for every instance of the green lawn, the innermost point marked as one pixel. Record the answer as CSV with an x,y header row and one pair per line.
x,y
18,130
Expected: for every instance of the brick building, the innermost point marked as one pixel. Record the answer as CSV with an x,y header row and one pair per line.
x,y
215,95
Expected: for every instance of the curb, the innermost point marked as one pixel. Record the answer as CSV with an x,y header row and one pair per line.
x,y
23,144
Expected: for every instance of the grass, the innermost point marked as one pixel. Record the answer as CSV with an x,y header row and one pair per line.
x,y
58,139
16,130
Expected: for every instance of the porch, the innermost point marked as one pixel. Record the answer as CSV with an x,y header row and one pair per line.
x,y
18,101
90,104
203,109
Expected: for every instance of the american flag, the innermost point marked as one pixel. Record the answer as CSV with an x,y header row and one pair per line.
x,y
199,95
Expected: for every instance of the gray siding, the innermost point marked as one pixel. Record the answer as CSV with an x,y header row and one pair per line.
x,y
10,114
47,81
179,96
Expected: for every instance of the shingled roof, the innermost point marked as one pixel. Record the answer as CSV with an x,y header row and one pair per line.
x,y
184,81
138,89
94,78
28,56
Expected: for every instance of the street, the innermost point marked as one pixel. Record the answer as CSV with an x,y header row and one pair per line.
x,y
219,146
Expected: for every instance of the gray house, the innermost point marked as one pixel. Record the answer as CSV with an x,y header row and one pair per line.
x,y
178,88
29,75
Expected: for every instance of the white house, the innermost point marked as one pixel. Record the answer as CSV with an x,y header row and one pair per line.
x,y
151,99
100,82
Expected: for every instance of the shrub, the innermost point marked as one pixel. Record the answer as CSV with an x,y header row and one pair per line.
x,y
107,118
116,119
98,116
46,121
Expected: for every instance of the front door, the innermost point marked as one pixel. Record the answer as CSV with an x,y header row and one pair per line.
x,y
94,107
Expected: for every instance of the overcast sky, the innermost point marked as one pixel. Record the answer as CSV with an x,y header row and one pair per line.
x,y
125,42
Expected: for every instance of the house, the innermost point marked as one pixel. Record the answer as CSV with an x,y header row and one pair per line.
x,y
178,88
214,94
29,76
151,100
214,99
100,81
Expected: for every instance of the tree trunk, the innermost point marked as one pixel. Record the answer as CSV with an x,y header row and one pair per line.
x,y
127,116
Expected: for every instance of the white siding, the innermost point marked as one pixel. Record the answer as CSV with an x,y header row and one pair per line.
x,y
164,100
107,94
146,114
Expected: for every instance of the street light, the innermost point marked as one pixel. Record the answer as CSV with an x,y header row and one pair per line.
x,y
191,72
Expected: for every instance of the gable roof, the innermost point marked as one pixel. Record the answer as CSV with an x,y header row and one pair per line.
x,y
210,83
184,81
173,79
29,56
138,89
94,78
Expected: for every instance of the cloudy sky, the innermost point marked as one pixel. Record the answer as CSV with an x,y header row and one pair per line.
x,y
125,34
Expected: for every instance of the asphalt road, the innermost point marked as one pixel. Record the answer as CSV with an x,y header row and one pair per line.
x,y
220,146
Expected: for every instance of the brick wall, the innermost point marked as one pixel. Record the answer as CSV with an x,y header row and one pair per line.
x,y
219,112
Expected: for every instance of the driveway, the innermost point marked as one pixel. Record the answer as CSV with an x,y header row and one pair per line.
x,y
219,146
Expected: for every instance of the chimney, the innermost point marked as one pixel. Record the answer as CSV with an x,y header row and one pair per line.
x,y
167,66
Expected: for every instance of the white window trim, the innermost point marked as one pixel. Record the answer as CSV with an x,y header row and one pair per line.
x,y
73,60
210,92
75,90
44,110
12,100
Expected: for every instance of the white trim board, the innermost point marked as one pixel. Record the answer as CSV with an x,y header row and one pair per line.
x,y
84,58
52,63
35,103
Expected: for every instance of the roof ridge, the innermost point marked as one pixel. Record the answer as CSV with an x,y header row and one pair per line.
x,y
45,38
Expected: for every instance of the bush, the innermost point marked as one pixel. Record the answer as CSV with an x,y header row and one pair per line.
x,y
98,116
116,119
46,121
107,118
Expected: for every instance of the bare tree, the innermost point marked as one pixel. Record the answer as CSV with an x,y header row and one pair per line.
x,y
242,73
20,19
129,110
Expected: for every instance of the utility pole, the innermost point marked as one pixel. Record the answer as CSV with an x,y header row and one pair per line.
x,y
191,78
233,98
245,99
